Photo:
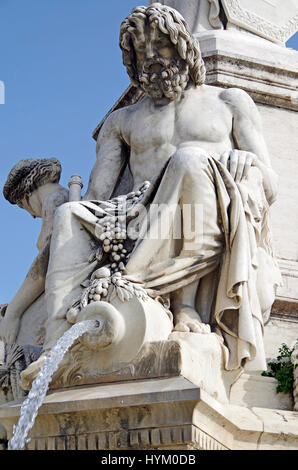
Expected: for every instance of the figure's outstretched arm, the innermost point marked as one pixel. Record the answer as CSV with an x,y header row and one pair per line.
x,y
111,159
32,287
248,137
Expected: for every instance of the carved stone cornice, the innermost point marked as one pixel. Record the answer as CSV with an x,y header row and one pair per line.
x,y
152,414
241,16
180,437
265,83
268,72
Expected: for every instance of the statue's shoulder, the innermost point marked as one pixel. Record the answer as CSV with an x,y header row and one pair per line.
x,y
226,95
117,120
237,99
140,105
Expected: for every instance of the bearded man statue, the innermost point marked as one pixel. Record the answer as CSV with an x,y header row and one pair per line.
x,y
196,234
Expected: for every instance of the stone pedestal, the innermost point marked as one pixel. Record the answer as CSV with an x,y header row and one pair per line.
x,y
168,413
199,358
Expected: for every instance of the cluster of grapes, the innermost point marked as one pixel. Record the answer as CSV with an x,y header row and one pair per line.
x,y
99,290
101,282
113,238
114,232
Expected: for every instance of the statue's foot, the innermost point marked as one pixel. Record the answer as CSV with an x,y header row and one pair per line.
x,y
188,320
29,375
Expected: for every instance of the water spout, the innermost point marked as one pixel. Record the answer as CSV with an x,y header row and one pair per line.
x,y
40,385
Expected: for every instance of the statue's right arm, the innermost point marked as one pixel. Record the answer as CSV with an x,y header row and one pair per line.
x,y
111,158
34,283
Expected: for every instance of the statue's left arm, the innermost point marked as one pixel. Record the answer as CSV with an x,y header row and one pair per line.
x,y
249,141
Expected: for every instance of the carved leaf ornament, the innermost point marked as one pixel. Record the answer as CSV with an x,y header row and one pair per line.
x,y
276,20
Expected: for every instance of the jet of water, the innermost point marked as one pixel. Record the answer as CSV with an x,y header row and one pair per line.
x,y
40,385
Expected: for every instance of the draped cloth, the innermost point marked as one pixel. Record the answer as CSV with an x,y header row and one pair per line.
x,y
246,272
229,253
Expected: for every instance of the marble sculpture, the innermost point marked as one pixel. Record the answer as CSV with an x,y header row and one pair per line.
x,y
193,234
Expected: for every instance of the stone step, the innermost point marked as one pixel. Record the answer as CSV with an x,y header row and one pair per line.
x,y
254,390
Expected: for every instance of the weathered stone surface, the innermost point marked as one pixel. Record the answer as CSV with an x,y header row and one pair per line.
x,y
166,413
281,328
265,70
32,328
16,359
197,357
253,390
129,346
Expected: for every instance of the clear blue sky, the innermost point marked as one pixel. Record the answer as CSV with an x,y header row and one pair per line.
x,y
62,69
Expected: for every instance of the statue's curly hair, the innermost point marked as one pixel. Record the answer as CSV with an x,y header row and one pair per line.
x,y
28,175
170,22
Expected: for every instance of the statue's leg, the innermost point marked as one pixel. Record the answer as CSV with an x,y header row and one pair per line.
x,y
70,249
187,183
190,168
186,316
71,246
198,203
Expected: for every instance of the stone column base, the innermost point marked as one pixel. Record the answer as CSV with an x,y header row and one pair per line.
x,y
168,413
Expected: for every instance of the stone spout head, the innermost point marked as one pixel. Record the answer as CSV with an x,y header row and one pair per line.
x,y
111,326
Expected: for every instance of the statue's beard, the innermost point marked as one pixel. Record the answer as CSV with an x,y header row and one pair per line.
x,y
162,77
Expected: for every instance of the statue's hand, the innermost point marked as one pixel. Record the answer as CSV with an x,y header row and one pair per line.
x,y
238,162
9,328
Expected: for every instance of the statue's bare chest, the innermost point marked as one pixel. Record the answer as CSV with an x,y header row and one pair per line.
x,y
177,123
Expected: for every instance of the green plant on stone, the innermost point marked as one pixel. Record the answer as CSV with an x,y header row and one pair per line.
x,y
282,369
